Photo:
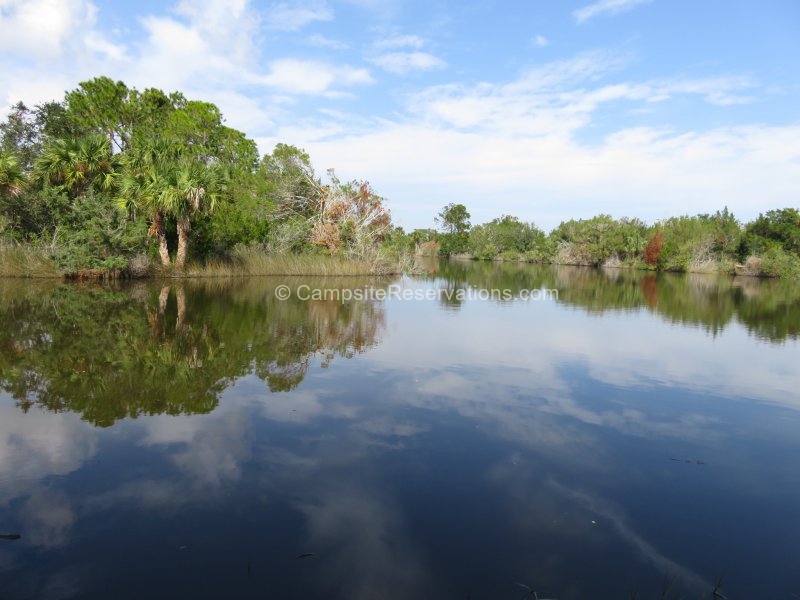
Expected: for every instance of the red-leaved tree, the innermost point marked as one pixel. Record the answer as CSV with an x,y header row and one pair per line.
x,y
653,249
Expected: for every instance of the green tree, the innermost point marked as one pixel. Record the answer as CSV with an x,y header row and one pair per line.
x,y
105,106
198,130
140,190
190,189
776,227
454,219
76,164
12,177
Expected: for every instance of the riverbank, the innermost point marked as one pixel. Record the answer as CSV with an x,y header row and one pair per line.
x,y
765,267
34,262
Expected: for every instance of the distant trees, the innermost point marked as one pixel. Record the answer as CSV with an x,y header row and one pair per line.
x,y
509,237
716,242
453,219
779,228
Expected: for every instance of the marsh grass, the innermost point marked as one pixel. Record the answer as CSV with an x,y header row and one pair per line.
x,y
26,261
255,261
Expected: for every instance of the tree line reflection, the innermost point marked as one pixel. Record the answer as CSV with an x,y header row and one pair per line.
x,y
109,354
767,308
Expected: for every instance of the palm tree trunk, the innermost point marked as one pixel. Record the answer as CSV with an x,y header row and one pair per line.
x,y
180,296
157,230
156,318
184,227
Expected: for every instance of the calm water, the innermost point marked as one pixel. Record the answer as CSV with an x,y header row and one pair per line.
x,y
199,440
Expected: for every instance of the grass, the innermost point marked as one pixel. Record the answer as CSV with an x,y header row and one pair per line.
x,y
255,261
26,261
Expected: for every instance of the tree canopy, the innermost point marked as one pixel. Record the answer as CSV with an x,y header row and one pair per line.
x,y
156,163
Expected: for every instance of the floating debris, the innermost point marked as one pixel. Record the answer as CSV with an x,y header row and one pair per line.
x,y
10,536
308,555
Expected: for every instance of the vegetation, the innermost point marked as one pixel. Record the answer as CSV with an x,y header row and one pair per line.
x,y
719,243
767,308
111,181
453,219
254,260
175,347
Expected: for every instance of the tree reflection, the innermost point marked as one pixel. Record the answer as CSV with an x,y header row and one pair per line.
x,y
111,353
768,308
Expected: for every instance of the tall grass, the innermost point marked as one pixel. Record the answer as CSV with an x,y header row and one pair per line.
x,y
26,261
251,261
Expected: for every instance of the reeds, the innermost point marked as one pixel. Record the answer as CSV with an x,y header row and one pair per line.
x,y
17,260
251,261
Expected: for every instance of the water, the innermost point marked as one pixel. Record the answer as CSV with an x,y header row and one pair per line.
x,y
200,439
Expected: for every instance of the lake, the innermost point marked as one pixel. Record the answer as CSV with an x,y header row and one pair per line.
x,y
204,439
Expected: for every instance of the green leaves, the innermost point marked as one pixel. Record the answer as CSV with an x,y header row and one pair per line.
x,y
12,177
75,165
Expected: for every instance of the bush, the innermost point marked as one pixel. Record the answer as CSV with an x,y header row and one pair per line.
x,y
593,241
776,227
700,243
95,235
653,249
504,236
776,262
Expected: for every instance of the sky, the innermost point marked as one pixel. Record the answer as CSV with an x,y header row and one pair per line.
x,y
542,109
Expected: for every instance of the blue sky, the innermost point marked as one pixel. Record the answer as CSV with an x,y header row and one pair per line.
x,y
542,109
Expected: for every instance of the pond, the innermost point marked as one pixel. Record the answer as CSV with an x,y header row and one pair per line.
x,y
630,432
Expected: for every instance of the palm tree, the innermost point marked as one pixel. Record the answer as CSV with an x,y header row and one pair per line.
x,y
12,177
76,164
159,180
191,188
141,188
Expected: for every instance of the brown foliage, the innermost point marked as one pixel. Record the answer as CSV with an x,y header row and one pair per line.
x,y
348,215
653,249
650,290
326,234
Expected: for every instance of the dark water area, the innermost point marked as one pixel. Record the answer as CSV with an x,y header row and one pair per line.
x,y
203,439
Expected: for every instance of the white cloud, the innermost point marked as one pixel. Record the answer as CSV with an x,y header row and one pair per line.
x,y
522,141
401,63
642,172
606,7
291,17
48,45
540,41
42,28
311,77
400,41
324,42
208,49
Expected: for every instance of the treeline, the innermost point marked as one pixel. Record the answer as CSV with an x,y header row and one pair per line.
x,y
112,179
768,246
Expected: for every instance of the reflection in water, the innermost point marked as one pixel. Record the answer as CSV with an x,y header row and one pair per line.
x,y
770,309
114,353
588,447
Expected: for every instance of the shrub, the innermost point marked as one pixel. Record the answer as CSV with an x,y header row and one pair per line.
x,y
653,249
776,262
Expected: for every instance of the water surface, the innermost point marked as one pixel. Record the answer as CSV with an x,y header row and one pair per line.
x,y
203,439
